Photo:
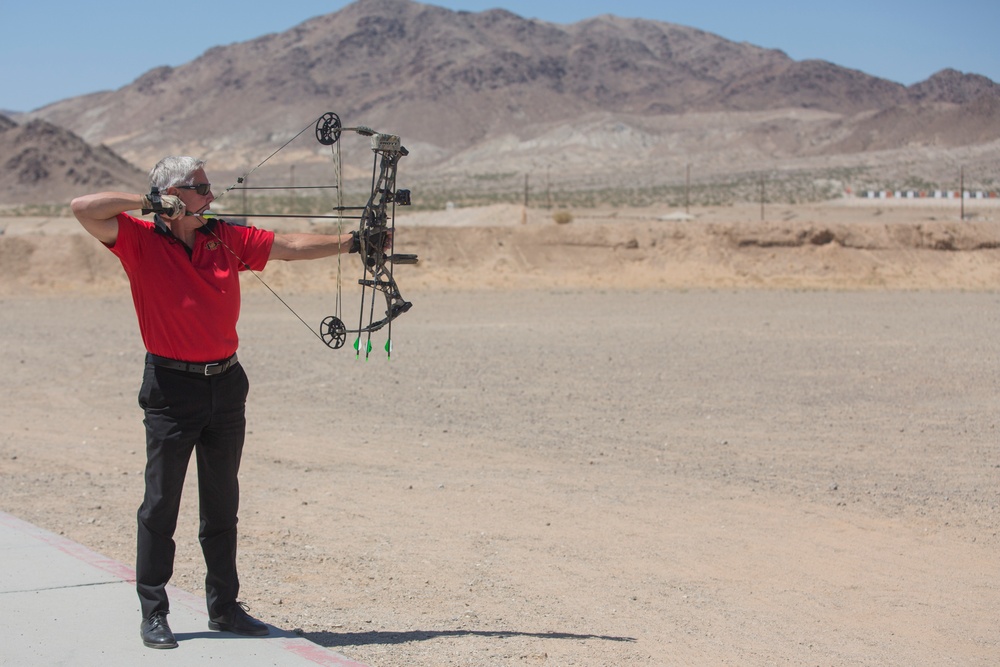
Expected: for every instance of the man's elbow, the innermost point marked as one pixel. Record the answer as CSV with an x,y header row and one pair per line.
x,y
78,205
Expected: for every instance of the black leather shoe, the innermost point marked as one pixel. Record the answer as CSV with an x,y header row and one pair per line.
x,y
156,633
235,619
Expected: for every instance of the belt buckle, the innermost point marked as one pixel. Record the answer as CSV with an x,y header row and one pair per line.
x,y
211,366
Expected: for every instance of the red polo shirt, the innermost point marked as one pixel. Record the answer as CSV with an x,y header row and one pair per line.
x,y
188,302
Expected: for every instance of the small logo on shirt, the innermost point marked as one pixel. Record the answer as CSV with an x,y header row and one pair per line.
x,y
212,245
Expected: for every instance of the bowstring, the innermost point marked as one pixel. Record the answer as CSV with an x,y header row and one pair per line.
x,y
338,174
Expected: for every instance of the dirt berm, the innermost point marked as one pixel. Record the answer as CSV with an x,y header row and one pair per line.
x,y
812,247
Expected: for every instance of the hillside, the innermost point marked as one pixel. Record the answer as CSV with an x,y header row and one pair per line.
x,y
483,98
46,164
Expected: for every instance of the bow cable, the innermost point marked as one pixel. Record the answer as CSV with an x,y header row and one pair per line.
x,y
245,176
262,282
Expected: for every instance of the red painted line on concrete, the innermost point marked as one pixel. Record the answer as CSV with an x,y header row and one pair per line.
x,y
316,653
299,646
67,546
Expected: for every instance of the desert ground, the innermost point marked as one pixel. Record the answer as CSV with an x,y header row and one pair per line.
x,y
645,437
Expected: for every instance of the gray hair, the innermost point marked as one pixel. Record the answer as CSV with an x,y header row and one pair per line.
x,y
174,170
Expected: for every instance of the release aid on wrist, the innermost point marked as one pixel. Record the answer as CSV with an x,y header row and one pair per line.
x,y
153,203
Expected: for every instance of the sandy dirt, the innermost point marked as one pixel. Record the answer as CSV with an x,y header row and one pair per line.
x,y
629,440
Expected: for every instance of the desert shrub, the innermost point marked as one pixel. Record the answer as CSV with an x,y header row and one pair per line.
x,y
562,217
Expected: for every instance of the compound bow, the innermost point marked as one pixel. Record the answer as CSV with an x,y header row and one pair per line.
x,y
377,219
376,223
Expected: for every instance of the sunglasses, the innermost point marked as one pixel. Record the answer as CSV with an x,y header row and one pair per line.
x,y
201,188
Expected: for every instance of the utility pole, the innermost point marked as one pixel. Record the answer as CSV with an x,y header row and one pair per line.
x,y
524,209
687,190
961,189
762,197
548,188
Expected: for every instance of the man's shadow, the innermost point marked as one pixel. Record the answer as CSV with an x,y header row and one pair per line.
x,y
339,639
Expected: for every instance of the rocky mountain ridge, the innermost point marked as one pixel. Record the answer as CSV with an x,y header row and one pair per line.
x,y
43,163
479,97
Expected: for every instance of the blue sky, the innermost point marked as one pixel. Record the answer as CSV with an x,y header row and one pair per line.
x,y
54,49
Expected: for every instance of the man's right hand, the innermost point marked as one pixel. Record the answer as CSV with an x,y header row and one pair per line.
x,y
169,206
173,207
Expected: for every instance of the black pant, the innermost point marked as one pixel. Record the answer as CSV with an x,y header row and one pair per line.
x,y
185,412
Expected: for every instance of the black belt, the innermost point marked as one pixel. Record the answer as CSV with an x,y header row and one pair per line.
x,y
212,368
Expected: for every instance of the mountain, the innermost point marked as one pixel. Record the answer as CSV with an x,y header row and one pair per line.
x,y
954,87
44,163
479,94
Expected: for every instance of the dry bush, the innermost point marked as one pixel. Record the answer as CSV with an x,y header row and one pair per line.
x,y
562,217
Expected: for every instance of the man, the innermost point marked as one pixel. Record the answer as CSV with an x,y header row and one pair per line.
x,y
183,271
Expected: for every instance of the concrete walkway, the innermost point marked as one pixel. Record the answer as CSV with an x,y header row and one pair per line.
x,y
63,604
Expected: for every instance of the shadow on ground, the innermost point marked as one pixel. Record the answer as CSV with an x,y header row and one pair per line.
x,y
340,639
